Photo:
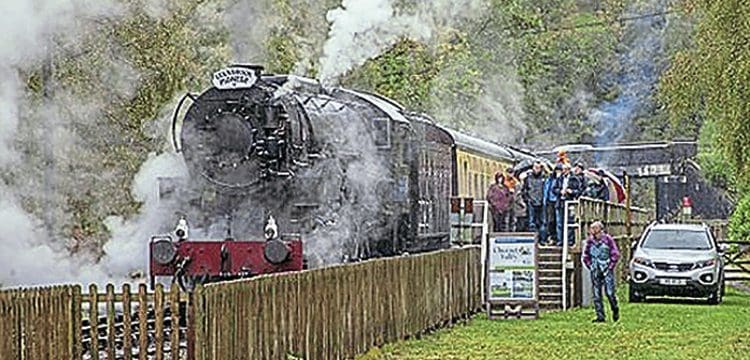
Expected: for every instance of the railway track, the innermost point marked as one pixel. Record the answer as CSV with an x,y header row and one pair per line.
x,y
118,339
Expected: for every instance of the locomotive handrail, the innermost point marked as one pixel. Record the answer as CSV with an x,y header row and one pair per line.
x,y
178,147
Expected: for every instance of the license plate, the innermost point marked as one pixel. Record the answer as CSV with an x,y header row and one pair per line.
x,y
672,281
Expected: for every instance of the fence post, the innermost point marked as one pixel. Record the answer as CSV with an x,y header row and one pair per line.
x,y
142,323
110,298
75,325
94,321
174,307
127,322
628,210
159,321
197,335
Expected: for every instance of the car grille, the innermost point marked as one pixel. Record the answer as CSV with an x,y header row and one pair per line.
x,y
673,267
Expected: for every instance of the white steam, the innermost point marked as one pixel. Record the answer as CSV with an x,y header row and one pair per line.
x,y
361,30
249,23
28,252
126,250
500,108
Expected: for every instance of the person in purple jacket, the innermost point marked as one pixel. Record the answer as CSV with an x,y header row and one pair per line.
x,y
500,200
600,256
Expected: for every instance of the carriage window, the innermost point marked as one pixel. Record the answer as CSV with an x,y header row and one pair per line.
x,y
476,186
382,132
465,176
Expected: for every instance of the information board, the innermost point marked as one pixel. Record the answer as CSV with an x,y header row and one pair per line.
x,y
511,267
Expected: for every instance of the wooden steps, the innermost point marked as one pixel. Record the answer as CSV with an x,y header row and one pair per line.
x,y
549,267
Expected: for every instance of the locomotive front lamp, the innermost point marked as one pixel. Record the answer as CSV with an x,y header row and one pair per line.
x,y
271,230
181,230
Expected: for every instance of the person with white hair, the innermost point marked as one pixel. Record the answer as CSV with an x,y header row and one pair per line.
x,y
600,256
568,186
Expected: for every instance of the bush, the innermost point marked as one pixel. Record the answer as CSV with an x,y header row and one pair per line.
x,y
739,222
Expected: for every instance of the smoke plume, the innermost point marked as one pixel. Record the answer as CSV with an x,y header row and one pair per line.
x,y
637,75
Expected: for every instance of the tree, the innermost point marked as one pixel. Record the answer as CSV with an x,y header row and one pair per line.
x,y
711,82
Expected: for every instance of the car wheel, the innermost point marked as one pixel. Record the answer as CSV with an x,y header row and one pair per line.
x,y
633,297
716,296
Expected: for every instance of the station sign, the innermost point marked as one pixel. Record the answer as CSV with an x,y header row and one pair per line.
x,y
511,277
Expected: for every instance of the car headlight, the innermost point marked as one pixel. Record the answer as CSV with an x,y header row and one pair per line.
x,y
643,261
705,264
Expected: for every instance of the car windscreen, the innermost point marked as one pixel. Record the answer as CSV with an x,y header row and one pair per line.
x,y
677,239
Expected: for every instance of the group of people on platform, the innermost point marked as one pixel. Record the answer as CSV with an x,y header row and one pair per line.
x,y
537,202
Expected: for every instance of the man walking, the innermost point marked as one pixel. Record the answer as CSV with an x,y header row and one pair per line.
x,y
533,193
600,256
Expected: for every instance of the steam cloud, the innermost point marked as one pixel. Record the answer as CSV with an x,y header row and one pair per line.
x,y
28,251
361,30
49,150
247,37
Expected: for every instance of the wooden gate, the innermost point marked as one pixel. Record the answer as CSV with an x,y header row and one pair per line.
x,y
736,252
736,260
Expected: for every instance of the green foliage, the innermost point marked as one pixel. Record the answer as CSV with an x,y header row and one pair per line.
x,y
402,73
710,81
528,40
297,32
645,331
714,164
739,222
285,54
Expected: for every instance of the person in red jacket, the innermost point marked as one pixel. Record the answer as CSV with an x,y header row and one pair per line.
x,y
500,199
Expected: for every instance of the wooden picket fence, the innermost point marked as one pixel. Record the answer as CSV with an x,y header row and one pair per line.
x,y
64,323
37,323
329,313
336,312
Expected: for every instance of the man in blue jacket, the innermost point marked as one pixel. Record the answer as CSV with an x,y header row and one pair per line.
x,y
550,202
600,256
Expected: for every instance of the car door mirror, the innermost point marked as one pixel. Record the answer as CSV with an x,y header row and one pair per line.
x,y
722,248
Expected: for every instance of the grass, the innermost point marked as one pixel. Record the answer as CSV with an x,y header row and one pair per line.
x,y
655,330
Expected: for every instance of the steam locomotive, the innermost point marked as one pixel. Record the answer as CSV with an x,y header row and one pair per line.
x,y
278,160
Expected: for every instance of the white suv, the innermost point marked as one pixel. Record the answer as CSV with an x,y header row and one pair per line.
x,y
677,260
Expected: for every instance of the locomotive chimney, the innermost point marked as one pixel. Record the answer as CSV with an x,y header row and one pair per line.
x,y
257,69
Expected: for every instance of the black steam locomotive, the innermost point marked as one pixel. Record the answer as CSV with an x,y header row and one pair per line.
x,y
352,174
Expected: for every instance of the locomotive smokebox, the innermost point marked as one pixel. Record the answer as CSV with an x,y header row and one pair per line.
x,y
235,135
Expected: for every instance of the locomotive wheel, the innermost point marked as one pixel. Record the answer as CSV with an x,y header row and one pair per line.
x,y
189,282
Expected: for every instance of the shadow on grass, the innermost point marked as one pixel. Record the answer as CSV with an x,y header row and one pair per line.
x,y
676,300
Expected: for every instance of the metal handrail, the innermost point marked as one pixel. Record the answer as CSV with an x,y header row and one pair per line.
x,y
564,262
